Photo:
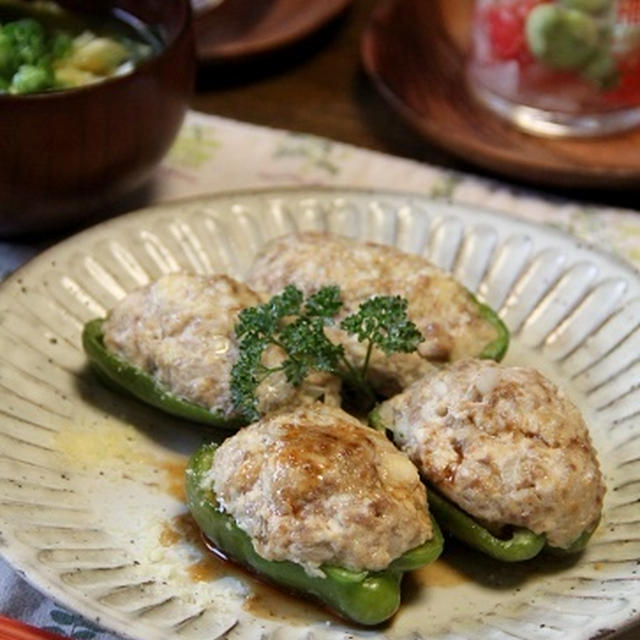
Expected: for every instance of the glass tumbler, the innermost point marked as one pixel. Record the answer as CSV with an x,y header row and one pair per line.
x,y
558,67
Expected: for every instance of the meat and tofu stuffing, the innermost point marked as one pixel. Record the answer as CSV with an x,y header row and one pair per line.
x,y
443,310
314,486
180,330
504,444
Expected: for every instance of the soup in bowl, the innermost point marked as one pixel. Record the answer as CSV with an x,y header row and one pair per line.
x,y
91,97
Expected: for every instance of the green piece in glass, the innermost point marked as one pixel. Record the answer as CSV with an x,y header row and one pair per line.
x,y
365,597
126,378
561,38
590,6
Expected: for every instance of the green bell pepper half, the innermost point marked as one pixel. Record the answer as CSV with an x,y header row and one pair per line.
x,y
522,545
121,376
364,597
497,348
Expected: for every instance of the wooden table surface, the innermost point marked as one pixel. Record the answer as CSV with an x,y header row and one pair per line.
x,y
318,86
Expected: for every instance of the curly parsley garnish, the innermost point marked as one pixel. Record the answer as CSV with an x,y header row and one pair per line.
x,y
297,327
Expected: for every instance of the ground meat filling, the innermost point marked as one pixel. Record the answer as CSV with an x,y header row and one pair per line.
x,y
314,486
442,309
504,444
180,329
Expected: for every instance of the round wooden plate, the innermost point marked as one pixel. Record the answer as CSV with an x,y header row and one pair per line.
x,y
238,29
415,53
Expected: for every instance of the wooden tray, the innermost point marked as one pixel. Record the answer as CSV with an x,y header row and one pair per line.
x,y
238,29
414,50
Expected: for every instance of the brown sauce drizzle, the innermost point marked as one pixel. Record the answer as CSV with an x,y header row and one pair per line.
x,y
175,478
268,601
264,601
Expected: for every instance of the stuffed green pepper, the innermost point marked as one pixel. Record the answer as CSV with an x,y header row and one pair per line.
x,y
319,504
453,323
172,344
506,455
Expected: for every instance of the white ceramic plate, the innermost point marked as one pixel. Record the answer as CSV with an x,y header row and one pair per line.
x,y
91,508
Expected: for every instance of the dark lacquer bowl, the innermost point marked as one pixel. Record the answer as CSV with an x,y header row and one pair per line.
x,y
65,155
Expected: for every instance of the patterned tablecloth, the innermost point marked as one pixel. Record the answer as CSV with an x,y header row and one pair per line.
x,y
214,154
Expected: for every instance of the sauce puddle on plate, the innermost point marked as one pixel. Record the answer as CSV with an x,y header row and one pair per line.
x,y
268,601
264,601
